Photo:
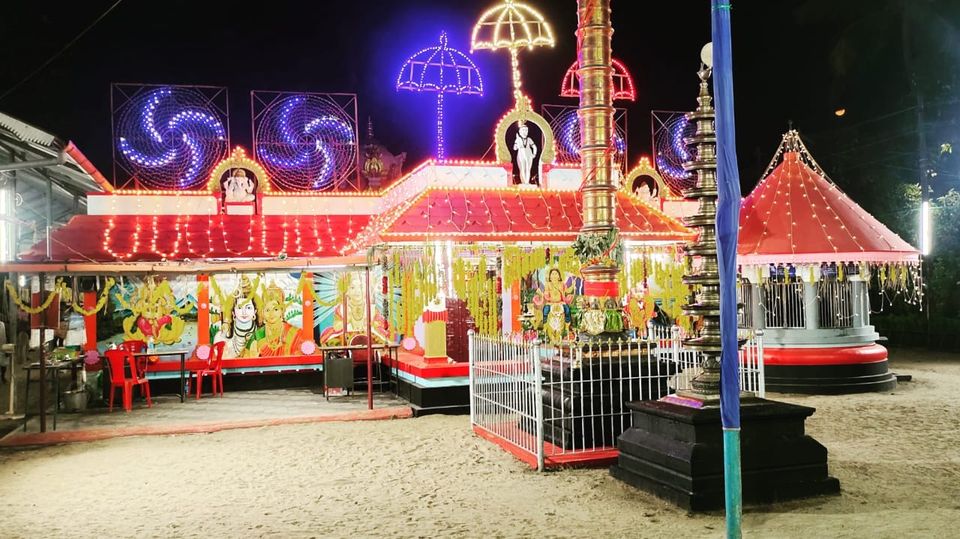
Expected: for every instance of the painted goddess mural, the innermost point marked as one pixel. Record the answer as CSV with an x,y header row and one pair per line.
x,y
554,299
350,313
276,337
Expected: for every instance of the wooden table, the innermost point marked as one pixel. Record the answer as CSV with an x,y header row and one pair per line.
x,y
182,353
53,369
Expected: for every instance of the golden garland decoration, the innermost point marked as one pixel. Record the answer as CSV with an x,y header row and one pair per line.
x,y
418,283
101,303
480,292
519,262
57,290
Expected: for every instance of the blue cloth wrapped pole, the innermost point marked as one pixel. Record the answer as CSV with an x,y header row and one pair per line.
x,y
728,218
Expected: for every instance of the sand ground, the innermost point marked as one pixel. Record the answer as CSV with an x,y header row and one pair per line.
x,y
897,456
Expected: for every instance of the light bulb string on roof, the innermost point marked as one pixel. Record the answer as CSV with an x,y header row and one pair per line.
x,y
173,253
828,234
563,209
526,212
772,206
789,212
488,212
226,243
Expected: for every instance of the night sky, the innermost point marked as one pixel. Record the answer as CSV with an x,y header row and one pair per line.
x,y
781,65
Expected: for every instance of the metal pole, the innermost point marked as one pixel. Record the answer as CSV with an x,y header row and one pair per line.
x,y
369,345
12,333
43,364
472,364
924,179
538,406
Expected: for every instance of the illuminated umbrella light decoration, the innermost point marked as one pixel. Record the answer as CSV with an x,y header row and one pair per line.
x,y
171,138
440,70
512,26
306,143
623,87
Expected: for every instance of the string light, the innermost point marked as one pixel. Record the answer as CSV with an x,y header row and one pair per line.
x,y
465,213
842,224
440,70
511,26
567,125
623,87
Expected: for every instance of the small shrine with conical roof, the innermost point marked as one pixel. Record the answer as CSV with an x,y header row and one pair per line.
x,y
807,256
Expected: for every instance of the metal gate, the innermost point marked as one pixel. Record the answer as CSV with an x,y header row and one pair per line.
x,y
564,405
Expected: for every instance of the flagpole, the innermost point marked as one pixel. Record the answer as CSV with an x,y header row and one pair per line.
x,y
728,216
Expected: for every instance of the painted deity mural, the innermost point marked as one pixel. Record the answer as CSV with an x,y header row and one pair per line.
x,y
156,310
552,309
342,309
256,315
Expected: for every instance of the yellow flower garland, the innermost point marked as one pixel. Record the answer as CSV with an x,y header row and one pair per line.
x,y
57,290
101,303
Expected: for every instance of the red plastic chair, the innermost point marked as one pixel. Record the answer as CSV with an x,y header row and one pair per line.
x,y
136,347
360,356
214,370
118,359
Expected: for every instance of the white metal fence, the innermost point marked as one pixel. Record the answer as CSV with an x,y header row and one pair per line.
x,y
564,404
838,302
783,305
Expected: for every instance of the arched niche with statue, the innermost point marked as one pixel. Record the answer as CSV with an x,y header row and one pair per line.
x,y
238,180
645,183
525,141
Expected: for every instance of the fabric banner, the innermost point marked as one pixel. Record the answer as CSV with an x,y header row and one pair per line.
x,y
728,212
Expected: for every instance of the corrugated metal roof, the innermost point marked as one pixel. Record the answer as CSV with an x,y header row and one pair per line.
x,y
26,132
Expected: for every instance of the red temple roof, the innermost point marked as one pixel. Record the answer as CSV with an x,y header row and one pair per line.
x,y
511,215
796,215
133,238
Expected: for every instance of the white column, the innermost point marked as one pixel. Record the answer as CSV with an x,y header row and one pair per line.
x,y
811,305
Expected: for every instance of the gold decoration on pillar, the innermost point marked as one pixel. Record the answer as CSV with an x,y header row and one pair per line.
x,y
596,115
599,190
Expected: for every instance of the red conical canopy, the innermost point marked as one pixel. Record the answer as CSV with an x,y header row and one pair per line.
x,y
796,215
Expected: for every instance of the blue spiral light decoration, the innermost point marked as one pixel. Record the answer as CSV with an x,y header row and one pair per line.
x,y
566,128
171,138
671,152
306,143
